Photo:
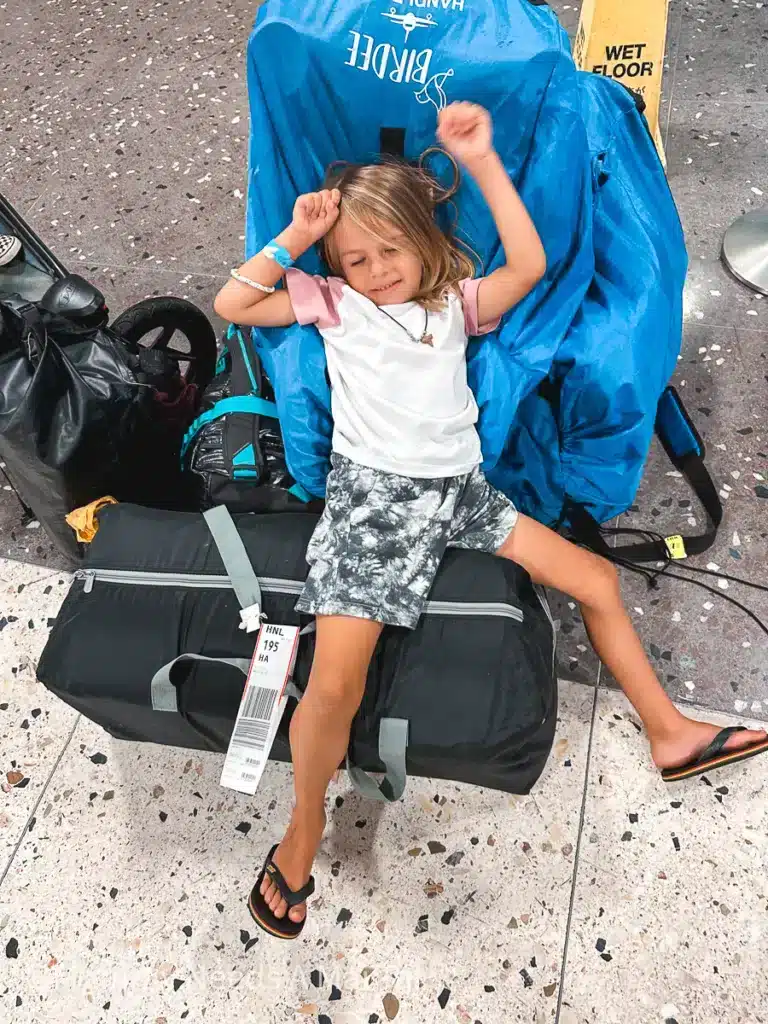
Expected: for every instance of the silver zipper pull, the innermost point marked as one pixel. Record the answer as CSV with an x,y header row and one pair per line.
x,y
87,576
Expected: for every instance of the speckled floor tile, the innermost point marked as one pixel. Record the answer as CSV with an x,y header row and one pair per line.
x,y
155,217
706,651
105,95
154,922
716,166
713,296
21,537
27,158
575,656
670,901
723,49
568,15
34,725
721,379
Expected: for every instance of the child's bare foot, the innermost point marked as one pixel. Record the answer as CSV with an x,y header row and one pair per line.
x,y
692,738
294,857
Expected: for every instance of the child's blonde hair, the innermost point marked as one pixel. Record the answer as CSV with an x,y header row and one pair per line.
x,y
405,196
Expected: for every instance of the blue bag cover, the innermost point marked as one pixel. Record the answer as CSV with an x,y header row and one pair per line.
x,y
603,327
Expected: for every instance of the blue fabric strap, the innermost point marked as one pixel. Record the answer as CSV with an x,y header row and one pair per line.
x,y
300,492
237,403
247,361
674,427
274,251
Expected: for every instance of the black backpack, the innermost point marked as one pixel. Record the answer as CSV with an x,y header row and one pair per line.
x,y
233,452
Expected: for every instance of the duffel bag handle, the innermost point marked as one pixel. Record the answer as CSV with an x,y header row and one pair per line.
x,y
393,732
163,690
393,741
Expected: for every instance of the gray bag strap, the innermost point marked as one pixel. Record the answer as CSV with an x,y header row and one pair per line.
x,y
393,732
164,692
292,690
234,556
393,740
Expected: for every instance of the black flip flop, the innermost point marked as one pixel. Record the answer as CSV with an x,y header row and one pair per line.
x,y
280,927
714,756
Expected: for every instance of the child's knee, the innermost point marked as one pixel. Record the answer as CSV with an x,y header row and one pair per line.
x,y
334,691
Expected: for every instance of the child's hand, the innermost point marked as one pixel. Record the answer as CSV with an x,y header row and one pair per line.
x,y
315,214
465,131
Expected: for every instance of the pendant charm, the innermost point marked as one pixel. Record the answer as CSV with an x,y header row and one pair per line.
x,y
426,339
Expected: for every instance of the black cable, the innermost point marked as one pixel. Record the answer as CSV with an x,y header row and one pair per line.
x,y
724,576
653,576
650,535
725,597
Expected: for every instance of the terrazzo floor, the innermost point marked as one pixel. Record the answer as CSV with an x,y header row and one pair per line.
x,y
602,897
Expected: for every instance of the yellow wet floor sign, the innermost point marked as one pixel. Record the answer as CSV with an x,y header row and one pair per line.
x,y
625,40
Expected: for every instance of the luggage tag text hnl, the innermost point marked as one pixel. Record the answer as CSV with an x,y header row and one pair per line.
x,y
261,707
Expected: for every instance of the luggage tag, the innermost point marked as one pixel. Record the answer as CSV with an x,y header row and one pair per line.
x,y
261,707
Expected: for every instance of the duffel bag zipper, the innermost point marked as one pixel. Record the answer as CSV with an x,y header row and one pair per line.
x,y
203,581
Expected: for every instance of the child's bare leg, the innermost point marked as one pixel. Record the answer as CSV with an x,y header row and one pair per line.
x,y
593,582
319,738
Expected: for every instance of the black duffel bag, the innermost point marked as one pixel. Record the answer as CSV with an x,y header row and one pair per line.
x,y
474,682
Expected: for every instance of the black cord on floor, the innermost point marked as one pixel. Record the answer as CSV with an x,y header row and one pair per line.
x,y
652,576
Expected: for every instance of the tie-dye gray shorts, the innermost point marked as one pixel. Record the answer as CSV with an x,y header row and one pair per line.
x,y
378,545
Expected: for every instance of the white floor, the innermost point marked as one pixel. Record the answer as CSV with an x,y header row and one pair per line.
x,y
125,878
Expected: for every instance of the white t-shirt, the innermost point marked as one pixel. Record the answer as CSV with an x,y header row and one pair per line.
x,y
398,405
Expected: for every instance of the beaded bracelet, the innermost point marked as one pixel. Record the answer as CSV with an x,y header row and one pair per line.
x,y
267,289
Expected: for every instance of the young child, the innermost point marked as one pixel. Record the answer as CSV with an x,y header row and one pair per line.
x,y
406,480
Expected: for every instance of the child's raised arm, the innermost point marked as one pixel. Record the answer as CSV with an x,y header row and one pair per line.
x,y
465,131
250,298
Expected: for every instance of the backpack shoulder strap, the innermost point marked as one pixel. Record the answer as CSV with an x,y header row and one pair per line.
x,y
685,448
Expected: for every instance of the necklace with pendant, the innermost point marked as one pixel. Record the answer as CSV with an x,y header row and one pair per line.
x,y
424,339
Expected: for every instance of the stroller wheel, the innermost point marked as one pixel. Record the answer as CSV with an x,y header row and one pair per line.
x,y
178,327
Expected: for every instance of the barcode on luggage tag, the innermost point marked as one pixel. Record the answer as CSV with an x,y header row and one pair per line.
x,y
261,708
251,733
259,703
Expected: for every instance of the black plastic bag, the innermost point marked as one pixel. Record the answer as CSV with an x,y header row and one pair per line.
x,y
77,422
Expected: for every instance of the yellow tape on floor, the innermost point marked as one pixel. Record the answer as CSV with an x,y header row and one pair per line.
x,y
625,40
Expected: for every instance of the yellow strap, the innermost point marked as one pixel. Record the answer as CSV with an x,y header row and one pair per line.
x,y
676,546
